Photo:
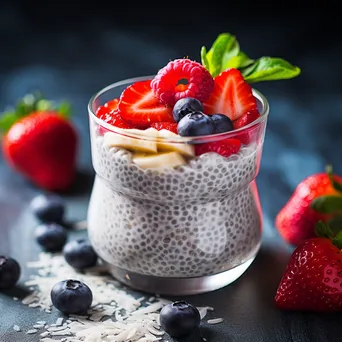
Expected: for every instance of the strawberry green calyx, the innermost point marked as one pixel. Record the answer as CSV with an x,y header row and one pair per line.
x,y
336,184
225,53
328,204
325,230
32,102
332,203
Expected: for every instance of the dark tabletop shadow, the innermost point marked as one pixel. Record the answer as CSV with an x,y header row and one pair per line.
x,y
82,184
18,291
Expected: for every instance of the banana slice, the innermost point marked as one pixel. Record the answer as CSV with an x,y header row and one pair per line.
x,y
158,161
182,148
149,132
131,144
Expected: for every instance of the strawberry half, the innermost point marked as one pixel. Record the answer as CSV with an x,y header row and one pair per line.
x,y
231,95
225,147
140,107
250,134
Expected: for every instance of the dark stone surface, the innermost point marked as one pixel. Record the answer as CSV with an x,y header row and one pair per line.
x,y
69,53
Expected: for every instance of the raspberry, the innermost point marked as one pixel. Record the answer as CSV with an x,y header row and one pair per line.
x,y
182,78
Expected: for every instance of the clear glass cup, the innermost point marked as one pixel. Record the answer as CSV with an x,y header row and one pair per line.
x,y
175,231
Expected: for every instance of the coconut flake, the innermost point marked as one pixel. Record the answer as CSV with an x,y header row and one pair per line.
x,y
31,331
115,314
38,326
59,321
215,320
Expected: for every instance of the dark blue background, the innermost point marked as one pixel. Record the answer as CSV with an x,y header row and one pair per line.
x,y
70,51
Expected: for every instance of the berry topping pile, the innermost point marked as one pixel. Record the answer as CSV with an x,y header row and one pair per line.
x,y
183,98
192,99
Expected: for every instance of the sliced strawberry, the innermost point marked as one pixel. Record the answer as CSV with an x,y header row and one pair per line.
x,y
246,119
231,96
109,114
225,147
114,118
170,126
103,111
250,134
112,104
139,106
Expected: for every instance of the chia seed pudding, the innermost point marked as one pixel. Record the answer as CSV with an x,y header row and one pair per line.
x,y
175,207
192,220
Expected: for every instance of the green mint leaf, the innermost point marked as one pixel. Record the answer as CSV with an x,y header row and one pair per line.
x,y
336,185
7,119
64,109
269,69
204,58
327,204
223,49
337,240
241,60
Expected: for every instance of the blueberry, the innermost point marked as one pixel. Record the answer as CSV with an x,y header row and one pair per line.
x,y
48,208
51,236
179,319
185,106
222,123
195,124
71,296
9,272
79,254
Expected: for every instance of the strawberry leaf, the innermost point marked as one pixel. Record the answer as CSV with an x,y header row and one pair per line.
x,y
336,185
337,240
64,109
327,204
7,119
28,104
323,230
335,224
43,105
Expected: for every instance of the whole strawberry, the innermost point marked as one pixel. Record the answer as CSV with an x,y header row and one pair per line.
x,y
316,198
40,142
313,277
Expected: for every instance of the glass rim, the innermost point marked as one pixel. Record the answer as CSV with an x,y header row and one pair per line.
x,y
179,139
